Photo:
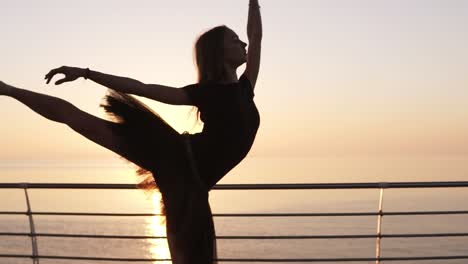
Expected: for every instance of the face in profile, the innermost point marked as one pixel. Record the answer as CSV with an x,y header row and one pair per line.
x,y
235,52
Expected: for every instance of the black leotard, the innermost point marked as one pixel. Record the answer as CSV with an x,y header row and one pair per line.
x,y
231,121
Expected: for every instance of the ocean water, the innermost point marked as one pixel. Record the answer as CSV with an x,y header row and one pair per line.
x,y
251,170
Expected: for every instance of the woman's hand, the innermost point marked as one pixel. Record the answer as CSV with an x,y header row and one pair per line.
x,y
71,74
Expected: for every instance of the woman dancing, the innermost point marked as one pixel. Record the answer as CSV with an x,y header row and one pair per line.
x,y
183,167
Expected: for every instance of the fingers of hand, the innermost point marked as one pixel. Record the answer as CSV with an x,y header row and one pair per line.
x,y
51,74
62,81
49,78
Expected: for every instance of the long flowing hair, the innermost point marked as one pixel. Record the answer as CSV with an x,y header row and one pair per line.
x,y
209,56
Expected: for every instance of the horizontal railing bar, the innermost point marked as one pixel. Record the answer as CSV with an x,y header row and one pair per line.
x,y
78,214
341,214
249,214
278,186
249,259
15,256
424,213
370,185
242,237
13,213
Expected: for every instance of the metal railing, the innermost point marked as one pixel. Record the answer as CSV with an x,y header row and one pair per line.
x,y
379,236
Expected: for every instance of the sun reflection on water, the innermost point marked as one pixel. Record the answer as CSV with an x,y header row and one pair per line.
x,y
159,248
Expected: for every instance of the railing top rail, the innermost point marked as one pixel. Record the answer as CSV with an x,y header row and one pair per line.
x,y
275,186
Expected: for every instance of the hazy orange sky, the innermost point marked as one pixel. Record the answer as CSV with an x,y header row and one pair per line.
x,y
337,77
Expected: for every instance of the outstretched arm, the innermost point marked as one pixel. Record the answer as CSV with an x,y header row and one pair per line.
x,y
118,83
161,93
254,34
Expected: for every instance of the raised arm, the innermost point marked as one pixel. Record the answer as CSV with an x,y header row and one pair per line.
x,y
254,34
161,93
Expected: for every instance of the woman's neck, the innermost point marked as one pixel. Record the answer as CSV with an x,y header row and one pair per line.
x,y
231,75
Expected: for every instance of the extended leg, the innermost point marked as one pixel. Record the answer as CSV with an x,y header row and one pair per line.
x,y
50,107
95,129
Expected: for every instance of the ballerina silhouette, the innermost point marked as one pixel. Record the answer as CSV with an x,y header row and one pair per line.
x,y
183,167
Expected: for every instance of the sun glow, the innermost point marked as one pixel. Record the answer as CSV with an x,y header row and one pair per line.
x,y
159,248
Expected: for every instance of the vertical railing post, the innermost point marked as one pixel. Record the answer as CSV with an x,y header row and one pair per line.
x,y
31,226
383,185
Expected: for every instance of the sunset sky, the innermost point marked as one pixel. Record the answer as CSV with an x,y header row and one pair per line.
x,y
337,78
348,91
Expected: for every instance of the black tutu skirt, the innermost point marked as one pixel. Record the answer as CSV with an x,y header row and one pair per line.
x,y
163,163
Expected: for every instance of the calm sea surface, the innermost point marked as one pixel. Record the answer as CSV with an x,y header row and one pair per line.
x,y
251,170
